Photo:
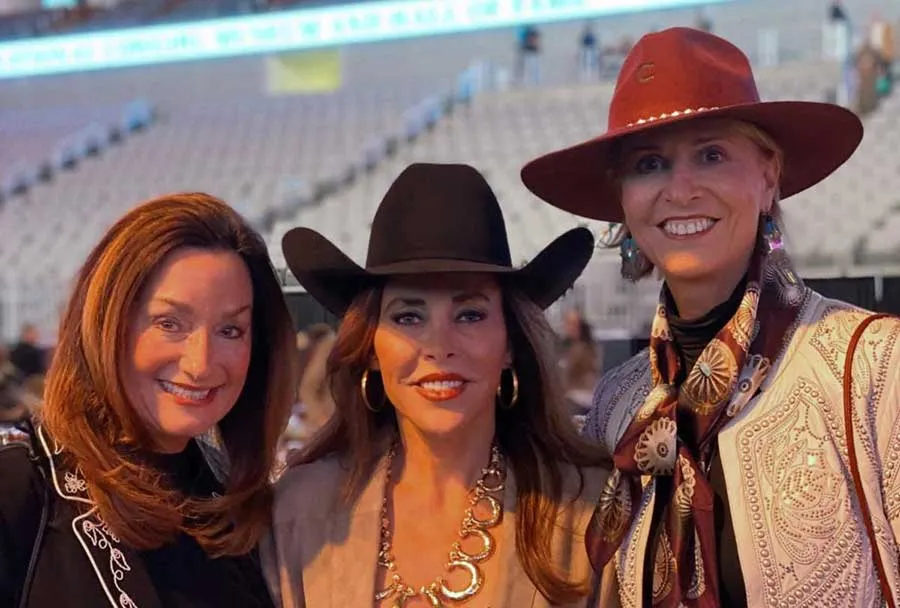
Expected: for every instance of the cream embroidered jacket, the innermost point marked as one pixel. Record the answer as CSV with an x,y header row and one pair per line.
x,y
798,526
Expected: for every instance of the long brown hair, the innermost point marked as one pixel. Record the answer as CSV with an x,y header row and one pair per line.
x,y
86,410
536,436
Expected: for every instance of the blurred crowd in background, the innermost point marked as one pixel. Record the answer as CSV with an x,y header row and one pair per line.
x,y
22,369
866,48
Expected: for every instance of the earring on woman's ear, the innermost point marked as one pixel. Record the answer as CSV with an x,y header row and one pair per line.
x,y
515,391
635,264
771,234
778,264
364,387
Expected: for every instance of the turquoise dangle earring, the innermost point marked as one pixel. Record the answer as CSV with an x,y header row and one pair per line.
x,y
779,267
635,264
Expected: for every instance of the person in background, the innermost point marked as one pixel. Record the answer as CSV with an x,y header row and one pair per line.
x,y
307,340
868,66
837,12
147,479
581,361
12,408
837,41
26,355
881,39
588,54
737,482
311,405
315,393
528,56
702,21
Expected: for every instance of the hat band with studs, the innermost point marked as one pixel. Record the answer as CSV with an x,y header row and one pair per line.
x,y
664,115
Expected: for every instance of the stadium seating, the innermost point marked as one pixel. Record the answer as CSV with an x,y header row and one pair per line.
x,y
40,141
869,213
498,134
326,160
31,23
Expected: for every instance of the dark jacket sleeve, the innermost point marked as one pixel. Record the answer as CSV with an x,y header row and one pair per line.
x,y
21,503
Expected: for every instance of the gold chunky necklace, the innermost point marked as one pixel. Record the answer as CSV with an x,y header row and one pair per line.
x,y
487,490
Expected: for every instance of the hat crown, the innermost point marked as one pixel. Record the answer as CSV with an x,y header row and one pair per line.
x,y
680,71
439,211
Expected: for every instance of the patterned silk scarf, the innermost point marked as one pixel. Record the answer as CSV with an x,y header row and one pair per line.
x,y
725,377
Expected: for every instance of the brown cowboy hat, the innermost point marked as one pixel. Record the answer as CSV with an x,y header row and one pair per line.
x,y
434,218
682,74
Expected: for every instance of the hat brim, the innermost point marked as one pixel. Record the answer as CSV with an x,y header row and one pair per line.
x,y
334,280
816,139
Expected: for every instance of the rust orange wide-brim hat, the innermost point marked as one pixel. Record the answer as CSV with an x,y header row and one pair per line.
x,y
682,74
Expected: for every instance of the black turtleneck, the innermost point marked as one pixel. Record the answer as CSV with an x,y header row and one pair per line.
x,y
691,337
182,573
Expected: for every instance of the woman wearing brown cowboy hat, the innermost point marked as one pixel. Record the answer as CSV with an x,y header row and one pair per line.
x,y
742,477
450,472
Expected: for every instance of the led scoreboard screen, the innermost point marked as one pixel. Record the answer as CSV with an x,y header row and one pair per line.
x,y
295,30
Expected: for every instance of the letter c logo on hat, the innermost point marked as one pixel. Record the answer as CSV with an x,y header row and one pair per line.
x,y
646,72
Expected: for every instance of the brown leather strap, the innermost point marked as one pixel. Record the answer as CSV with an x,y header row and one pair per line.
x,y
880,568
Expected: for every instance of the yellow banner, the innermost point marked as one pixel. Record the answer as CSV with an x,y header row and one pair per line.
x,y
316,71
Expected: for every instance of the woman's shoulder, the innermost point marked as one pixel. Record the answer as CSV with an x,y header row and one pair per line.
x,y
831,323
309,489
619,391
18,471
22,497
21,458
822,310
617,382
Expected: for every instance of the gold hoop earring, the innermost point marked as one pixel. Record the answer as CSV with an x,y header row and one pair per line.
x,y
515,393
363,385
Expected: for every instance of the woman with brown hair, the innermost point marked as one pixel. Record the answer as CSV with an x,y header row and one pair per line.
x,y
450,432
176,331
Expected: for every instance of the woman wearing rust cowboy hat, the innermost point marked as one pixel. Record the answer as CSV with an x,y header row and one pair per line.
x,y
744,475
450,472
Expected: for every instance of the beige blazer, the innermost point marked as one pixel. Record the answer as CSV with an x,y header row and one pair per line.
x,y
322,554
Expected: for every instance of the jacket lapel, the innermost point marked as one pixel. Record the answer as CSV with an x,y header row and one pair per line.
x,y
356,536
118,569
513,587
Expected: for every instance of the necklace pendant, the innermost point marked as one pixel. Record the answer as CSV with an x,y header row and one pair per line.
x,y
475,582
486,551
491,520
